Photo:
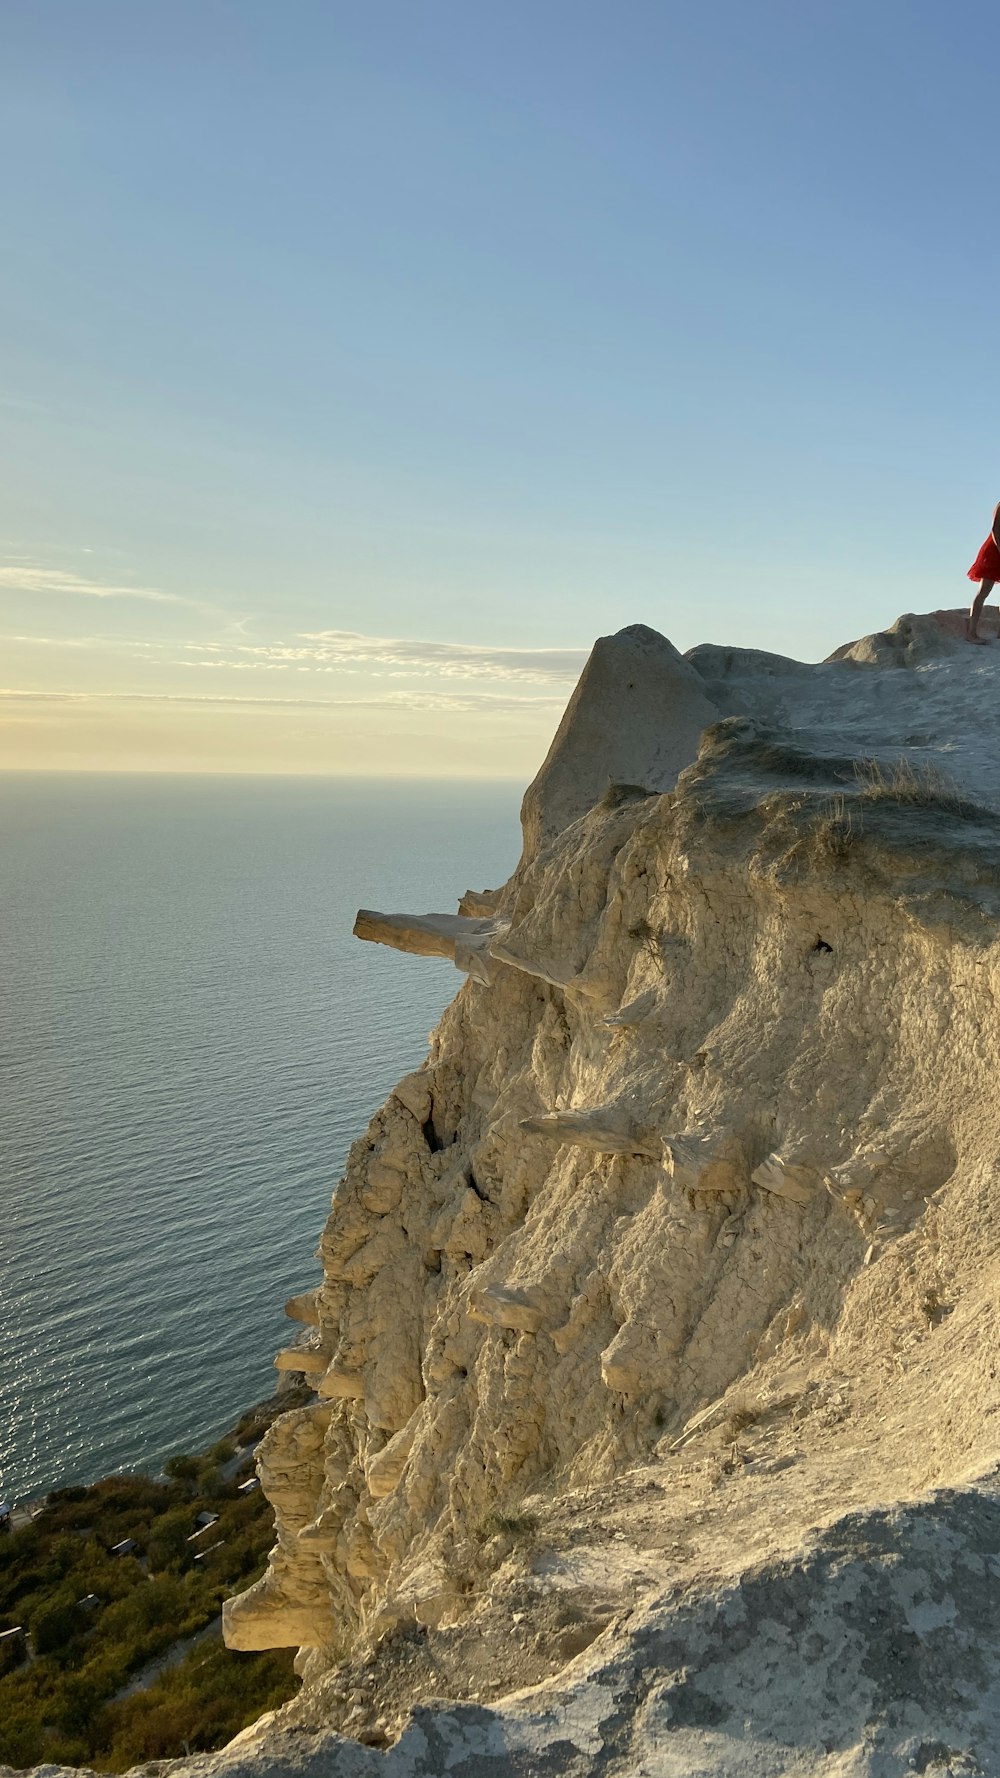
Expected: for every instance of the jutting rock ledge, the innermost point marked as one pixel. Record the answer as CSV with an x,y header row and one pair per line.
x,y
657,1406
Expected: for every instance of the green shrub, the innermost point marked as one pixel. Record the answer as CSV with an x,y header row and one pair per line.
x,y
182,1468
58,1707
13,1652
54,1627
203,1703
169,1545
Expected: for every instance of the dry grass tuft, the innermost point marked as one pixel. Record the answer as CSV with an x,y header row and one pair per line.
x,y
516,1525
834,832
900,781
740,1417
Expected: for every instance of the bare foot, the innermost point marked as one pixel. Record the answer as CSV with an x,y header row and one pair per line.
x,y
980,641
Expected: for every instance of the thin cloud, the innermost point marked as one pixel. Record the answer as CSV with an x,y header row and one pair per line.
x,y
55,580
351,651
453,702
109,644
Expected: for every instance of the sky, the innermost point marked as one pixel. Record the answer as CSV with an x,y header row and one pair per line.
x,y
359,365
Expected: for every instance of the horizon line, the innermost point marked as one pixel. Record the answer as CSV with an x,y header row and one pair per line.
x,y
195,772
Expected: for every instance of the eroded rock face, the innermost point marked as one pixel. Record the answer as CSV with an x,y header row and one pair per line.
x,y
630,1149
717,1097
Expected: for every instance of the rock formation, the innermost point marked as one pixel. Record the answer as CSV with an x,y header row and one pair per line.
x,y
634,718
655,1353
709,1113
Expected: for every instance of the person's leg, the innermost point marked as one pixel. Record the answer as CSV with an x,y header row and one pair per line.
x,y
975,611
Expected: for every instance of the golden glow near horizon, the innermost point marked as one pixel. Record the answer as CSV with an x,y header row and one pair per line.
x,y
161,683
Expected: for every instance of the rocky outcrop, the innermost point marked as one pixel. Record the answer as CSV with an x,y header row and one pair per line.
x,y
910,642
635,718
686,1226
456,936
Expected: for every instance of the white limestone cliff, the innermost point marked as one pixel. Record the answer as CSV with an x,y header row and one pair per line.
x,y
716,1105
655,1353
711,1107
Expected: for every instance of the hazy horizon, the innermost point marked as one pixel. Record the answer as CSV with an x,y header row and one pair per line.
x,y
36,771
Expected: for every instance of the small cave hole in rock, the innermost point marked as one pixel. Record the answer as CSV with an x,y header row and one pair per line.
x,y
431,1136
822,946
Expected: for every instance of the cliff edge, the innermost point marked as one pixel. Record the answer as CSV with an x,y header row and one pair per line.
x,y
655,1354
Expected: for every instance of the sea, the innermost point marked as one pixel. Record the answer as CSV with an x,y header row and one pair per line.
x,y
190,1040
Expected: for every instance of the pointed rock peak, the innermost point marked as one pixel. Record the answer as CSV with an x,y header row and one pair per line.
x,y
635,718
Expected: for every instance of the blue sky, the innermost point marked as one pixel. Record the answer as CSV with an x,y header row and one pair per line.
x,y
360,364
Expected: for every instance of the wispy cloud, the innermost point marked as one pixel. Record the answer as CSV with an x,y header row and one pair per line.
x,y
351,651
460,660
109,644
27,579
454,702
477,666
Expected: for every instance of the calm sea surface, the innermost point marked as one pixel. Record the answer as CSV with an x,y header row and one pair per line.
x,y
190,1039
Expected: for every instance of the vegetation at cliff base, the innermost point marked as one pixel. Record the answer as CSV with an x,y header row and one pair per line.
x,y
121,1658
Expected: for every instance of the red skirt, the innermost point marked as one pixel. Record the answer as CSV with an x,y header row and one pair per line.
x,y
987,564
